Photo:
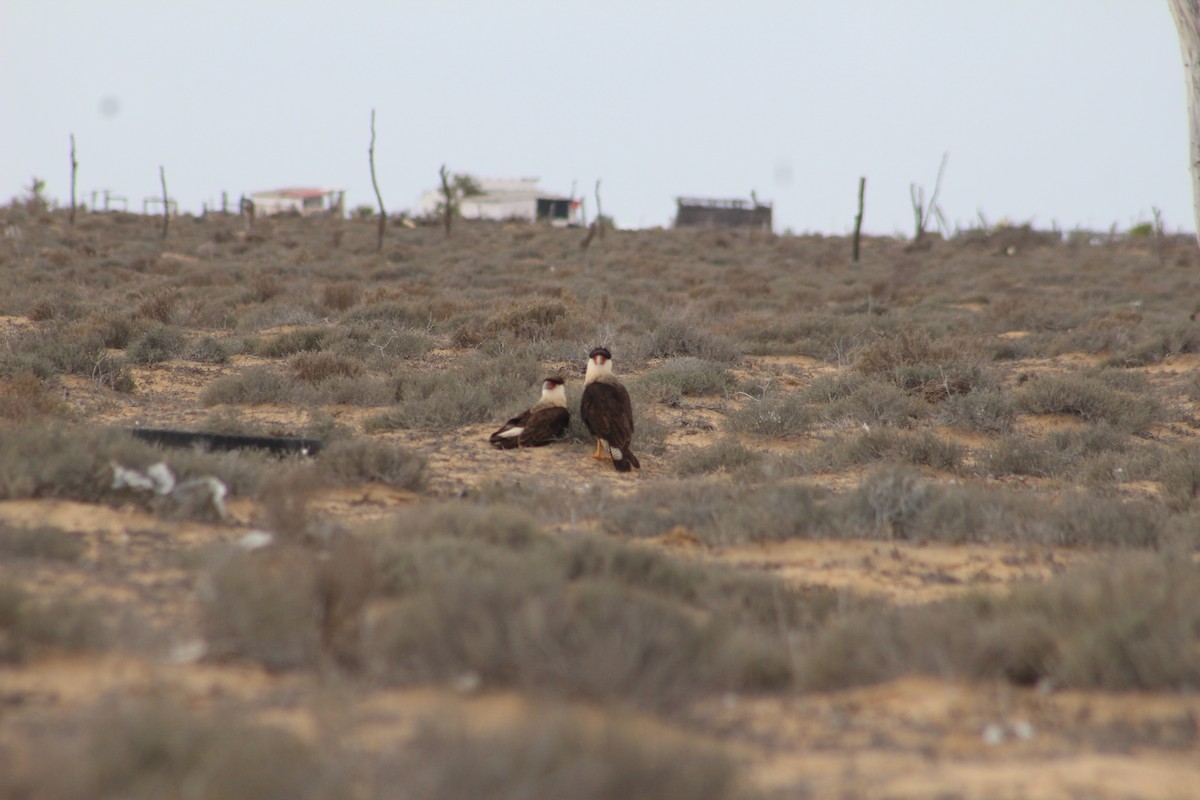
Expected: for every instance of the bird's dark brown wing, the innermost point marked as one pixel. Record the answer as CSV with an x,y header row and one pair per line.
x,y
544,426
512,439
608,412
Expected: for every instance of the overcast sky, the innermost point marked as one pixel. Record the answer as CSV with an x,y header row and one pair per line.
x,y
1067,112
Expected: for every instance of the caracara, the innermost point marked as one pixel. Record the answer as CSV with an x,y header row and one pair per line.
x,y
546,420
607,412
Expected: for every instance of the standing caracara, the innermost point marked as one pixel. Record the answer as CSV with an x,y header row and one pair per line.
x,y
546,420
607,412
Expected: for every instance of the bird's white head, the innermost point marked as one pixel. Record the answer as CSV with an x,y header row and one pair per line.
x,y
599,364
554,391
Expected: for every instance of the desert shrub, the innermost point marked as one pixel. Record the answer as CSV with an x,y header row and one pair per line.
x,y
682,377
1062,453
295,341
25,397
381,348
725,455
774,415
41,542
483,590
316,367
531,320
345,391
152,748
661,507
159,307
355,461
261,606
554,756
391,313
1090,399
888,502
476,390
1179,474
885,444
987,411
156,344
210,350
771,513
911,359
674,338
340,296
252,386
1131,622
874,402
30,626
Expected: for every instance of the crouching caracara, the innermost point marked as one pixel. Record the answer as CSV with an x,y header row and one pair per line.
x,y
607,411
545,421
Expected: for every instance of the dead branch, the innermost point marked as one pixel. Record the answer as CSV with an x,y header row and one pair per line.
x,y
921,211
862,189
74,170
162,176
375,183
599,211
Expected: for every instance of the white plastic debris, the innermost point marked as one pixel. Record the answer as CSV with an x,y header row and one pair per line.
x,y
993,734
255,540
159,479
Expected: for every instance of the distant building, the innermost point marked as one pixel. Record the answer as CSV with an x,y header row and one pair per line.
x,y
703,212
514,199
305,202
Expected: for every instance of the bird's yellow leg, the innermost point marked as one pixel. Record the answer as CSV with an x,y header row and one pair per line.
x,y
599,454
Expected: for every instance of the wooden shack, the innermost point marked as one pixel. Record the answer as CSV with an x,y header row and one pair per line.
x,y
706,212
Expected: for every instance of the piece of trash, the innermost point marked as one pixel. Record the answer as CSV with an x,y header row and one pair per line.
x,y
993,734
187,652
157,478
1023,730
197,493
255,540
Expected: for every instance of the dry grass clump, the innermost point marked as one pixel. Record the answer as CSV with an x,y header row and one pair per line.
x,y
847,398
911,359
251,386
354,461
317,367
159,307
774,415
156,344
478,389
155,748
289,343
483,591
31,626
725,455
25,397
1060,454
884,444
556,756
529,321
675,338
340,296
682,377
989,410
1090,398
1131,623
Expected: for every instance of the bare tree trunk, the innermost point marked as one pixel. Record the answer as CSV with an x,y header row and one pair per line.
x,y
1187,21
162,176
862,190
74,170
375,183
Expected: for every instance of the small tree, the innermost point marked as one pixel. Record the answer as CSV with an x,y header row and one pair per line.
x,y
455,187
